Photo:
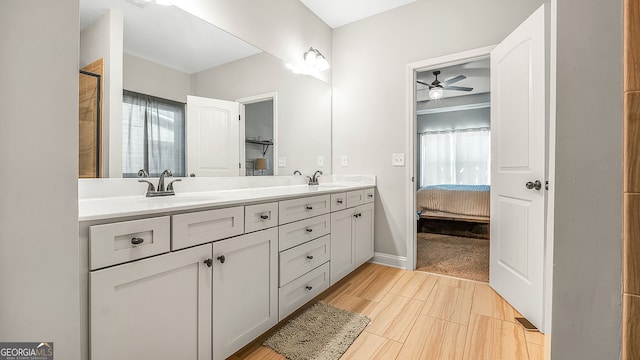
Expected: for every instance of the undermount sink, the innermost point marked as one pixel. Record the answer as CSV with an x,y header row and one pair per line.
x,y
177,199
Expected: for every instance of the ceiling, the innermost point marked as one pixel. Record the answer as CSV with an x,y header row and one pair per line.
x,y
168,35
477,73
341,12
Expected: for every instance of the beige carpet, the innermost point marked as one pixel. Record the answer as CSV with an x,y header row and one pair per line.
x,y
461,257
322,332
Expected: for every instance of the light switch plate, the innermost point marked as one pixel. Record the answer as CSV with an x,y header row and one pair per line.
x,y
320,160
397,159
282,161
344,161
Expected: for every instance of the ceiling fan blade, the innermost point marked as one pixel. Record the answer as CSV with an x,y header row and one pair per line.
x,y
423,83
453,80
458,88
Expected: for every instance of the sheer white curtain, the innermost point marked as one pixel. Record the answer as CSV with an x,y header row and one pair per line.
x,y
455,157
153,135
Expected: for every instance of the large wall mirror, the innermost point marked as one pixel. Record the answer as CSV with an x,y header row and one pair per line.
x,y
162,54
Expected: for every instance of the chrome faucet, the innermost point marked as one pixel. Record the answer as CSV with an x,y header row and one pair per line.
x,y
160,190
314,179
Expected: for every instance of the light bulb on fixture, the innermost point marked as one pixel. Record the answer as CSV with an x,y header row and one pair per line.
x,y
313,58
436,93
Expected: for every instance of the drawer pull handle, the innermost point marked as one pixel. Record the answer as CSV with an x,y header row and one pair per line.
x,y
264,217
137,241
309,230
221,258
209,262
339,201
357,215
309,207
310,257
369,195
308,287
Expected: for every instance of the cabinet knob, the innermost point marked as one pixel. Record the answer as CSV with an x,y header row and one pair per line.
x,y
209,262
369,195
221,258
309,207
309,230
308,287
137,241
310,257
355,215
264,217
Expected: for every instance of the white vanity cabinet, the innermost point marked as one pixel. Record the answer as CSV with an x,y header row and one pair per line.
x,y
201,283
352,235
245,290
155,308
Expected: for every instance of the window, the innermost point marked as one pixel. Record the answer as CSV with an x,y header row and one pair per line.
x,y
455,157
152,135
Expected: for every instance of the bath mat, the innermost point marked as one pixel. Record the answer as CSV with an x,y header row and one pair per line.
x,y
322,332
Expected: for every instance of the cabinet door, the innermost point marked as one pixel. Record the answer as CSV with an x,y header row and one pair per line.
x,y
342,256
157,308
363,234
245,290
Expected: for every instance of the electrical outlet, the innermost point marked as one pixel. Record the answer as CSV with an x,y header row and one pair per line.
x,y
397,159
282,161
344,161
321,160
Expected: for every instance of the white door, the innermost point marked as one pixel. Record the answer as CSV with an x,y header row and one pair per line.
x,y
213,137
518,157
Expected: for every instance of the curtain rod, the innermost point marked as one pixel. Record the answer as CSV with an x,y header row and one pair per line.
x,y
456,130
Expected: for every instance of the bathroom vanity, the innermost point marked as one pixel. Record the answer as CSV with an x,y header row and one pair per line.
x,y
202,274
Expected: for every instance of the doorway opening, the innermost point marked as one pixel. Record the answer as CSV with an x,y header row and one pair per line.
x,y
453,169
258,134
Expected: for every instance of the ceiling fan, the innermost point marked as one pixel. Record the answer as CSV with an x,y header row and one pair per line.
x,y
437,87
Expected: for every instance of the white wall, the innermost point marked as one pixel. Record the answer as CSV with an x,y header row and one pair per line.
x,y
587,271
150,78
370,93
39,296
284,28
104,39
304,106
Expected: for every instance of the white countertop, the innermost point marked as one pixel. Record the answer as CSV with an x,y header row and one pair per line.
x,y
108,207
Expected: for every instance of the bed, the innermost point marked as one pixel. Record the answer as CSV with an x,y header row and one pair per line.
x,y
454,202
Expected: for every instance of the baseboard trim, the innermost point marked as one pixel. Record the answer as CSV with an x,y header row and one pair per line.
x,y
395,261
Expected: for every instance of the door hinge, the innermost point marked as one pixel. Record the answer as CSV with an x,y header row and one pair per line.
x,y
413,179
546,185
239,165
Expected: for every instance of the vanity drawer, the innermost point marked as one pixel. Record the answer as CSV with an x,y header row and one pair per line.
x,y
301,290
205,226
117,243
260,217
301,259
338,201
298,209
355,198
299,232
369,195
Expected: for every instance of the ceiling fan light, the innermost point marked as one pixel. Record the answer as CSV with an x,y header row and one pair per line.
x,y
436,93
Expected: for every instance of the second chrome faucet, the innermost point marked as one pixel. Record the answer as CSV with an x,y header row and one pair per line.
x,y
160,190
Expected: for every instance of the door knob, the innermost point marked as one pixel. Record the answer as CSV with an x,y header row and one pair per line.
x,y
534,185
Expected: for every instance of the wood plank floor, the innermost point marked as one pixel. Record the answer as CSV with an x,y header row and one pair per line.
x,y
416,315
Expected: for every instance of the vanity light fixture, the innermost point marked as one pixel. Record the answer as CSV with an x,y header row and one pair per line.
x,y
314,59
436,93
